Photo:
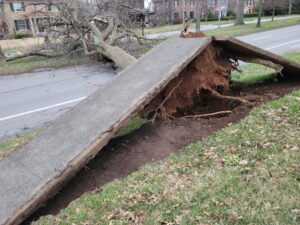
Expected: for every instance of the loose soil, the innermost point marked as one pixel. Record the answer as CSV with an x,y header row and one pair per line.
x,y
153,142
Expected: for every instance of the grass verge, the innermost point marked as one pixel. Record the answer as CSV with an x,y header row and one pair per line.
x,y
32,63
8,146
247,173
176,27
251,28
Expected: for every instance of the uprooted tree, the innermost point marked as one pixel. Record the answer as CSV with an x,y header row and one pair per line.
x,y
88,27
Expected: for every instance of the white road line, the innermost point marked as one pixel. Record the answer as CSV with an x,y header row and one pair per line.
x,y
41,109
287,43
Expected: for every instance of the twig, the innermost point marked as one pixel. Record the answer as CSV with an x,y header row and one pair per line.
x,y
209,114
164,101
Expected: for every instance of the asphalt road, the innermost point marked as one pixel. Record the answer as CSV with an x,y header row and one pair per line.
x,y
278,41
29,101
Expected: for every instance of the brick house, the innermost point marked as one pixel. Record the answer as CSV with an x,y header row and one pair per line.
x,y
25,17
172,11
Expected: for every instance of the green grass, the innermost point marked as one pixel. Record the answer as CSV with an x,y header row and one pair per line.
x,y
8,146
247,173
132,125
253,73
251,28
32,63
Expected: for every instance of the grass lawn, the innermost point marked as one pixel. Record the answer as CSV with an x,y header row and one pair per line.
x,y
251,28
32,63
175,27
247,173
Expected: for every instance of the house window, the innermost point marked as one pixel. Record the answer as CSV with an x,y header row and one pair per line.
x,y
21,25
176,3
17,7
192,3
192,15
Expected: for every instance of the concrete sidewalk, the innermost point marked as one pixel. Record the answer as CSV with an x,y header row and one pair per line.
x,y
32,174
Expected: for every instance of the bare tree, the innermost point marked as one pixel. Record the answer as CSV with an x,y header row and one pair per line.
x,y
239,13
259,13
92,27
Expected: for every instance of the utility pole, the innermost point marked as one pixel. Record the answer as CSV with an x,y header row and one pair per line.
x,y
198,16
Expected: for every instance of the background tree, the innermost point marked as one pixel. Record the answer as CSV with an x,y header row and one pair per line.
x,y
290,6
259,13
273,9
198,15
239,12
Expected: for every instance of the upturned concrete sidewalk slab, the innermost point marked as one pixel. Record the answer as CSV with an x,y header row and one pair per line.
x,y
241,50
32,174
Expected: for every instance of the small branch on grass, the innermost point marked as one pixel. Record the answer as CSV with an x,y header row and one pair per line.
x,y
221,113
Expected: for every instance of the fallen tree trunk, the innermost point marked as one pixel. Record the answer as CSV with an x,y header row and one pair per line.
x,y
121,58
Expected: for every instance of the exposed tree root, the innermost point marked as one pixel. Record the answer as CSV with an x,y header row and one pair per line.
x,y
204,81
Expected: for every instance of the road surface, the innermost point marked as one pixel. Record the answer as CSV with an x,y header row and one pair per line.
x,y
29,101
278,41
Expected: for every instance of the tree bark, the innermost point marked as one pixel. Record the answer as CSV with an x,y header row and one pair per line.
x,y
290,7
198,16
121,58
259,13
239,13
274,9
